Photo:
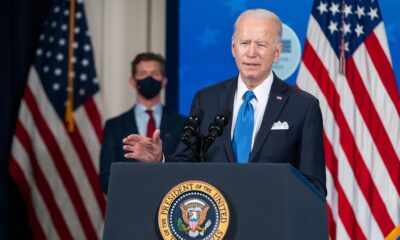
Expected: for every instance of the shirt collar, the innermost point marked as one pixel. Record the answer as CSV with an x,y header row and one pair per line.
x,y
261,91
156,108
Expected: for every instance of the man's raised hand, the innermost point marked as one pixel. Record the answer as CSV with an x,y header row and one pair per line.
x,y
143,149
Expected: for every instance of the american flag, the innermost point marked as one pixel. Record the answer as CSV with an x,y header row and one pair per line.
x,y
55,152
347,65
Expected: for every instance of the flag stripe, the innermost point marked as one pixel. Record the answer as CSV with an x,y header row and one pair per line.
x,y
61,166
379,95
364,141
71,156
341,232
331,180
44,188
363,177
331,204
373,122
94,117
93,178
19,178
384,69
348,217
345,177
331,222
89,138
345,210
34,197
60,171
380,34
47,165
360,106
332,169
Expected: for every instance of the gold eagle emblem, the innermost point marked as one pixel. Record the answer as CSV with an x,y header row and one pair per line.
x,y
194,214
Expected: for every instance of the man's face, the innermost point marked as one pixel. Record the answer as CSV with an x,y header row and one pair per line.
x,y
254,48
148,68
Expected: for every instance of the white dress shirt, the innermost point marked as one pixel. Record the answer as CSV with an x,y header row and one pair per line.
x,y
259,103
142,118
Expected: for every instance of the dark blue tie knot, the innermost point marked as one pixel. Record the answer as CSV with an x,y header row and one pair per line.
x,y
248,96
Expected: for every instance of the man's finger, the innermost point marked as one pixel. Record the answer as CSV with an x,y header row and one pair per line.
x,y
131,155
128,147
135,137
139,138
156,135
128,140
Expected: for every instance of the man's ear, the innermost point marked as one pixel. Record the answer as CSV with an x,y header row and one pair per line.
x,y
164,82
132,82
278,52
233,47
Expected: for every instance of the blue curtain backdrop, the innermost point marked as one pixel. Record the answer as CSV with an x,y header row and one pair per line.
x,y
205,30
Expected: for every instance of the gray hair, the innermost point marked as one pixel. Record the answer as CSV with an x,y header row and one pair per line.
x,y
261,14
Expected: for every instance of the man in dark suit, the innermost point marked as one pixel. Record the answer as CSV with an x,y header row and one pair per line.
x,y
271,121
148,78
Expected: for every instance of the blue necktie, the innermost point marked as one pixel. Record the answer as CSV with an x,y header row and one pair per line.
x,y
243,132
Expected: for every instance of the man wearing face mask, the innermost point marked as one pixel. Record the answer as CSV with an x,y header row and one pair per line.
x,y
148,78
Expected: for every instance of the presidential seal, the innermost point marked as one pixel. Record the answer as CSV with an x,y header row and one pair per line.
x,y
193,210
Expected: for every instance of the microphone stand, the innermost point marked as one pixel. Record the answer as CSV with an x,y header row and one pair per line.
x,y
203,143
196,149
199,149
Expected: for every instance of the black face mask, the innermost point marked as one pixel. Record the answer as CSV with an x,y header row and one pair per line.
x,y
148,87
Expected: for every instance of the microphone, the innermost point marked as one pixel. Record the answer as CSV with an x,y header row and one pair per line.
x,y
190,127
216,128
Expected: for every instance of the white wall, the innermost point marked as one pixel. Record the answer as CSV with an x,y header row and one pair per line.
x,y
120,29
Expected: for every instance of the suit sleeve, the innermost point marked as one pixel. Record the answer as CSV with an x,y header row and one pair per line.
x,y
183,153
107,155
311,158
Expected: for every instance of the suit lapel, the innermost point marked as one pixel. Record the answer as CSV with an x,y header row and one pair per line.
x,y
164,124
226,102
130,122
276,102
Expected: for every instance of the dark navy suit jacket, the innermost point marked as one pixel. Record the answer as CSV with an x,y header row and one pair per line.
x,y
121,126
301,145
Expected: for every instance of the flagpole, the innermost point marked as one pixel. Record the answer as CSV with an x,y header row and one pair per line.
x,y
342,60
69,118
